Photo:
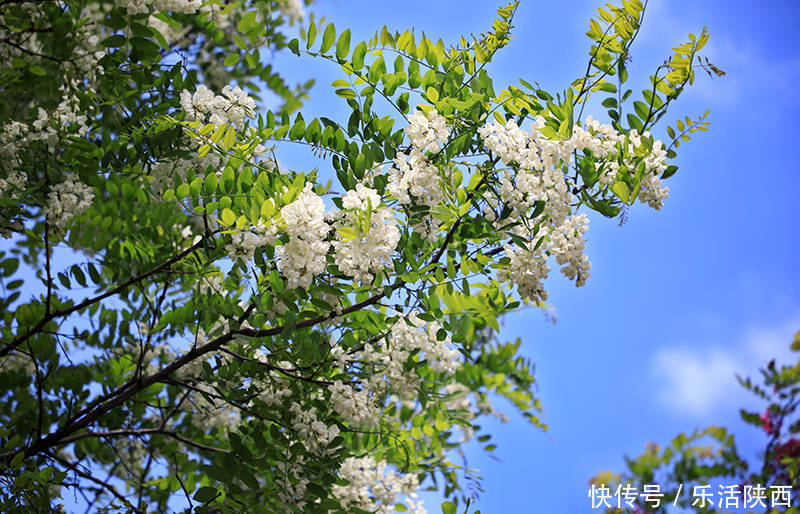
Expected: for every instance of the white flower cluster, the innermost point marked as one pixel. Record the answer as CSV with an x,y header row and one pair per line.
x,y
427,132
10,185
376,235
604,141
243,245
389,358
67,200
303,256
354,406
374,489
16,136
274,397
232,107
292,9
412,333
527,270
415,176
567,244
536,173
144,6
540,176
599,138
315,435
652,192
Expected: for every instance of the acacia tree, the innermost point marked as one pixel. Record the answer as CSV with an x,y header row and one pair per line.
x,y
238,334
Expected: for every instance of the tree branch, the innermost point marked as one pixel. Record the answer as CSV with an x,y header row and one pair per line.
x,y
9,347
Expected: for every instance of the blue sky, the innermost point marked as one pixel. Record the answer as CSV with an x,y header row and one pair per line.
x,y
680,300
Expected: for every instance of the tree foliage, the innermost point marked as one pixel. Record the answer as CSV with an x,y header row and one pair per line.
x,y
234,333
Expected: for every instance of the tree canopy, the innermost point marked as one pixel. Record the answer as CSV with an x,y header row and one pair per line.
x,y
192,323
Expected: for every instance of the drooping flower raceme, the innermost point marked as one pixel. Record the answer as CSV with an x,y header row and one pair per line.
x,y
177,6
234,106
303,256
536,173
243,245
567,244
427,132
389,357
415,177
368,234
67,200
354,406
527,269
373,488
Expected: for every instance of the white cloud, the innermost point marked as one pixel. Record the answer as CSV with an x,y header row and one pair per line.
x,y
701,378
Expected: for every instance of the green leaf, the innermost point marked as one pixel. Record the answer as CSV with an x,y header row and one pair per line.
x,y
146,48
358,55
448,508
611,103
9,266
228,217
231,59
621,190
114,41
247,22
635,122
343,45
79,276
346,93
328,37
642,110
311,36
386,38
294,46
229,139
211,183
298,130
607,87
205,494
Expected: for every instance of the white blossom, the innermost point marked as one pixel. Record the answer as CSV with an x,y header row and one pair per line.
x,y
243,245
415,177
144,6
66,200
374,488
527,270
315,435
234,106
427,132
375,235
356,407
304,255
567,244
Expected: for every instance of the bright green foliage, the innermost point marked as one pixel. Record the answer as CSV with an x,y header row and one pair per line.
x,y
176,362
